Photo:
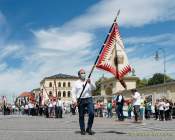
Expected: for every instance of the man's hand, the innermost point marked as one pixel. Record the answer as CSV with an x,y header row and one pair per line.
x,y
89,80
74,103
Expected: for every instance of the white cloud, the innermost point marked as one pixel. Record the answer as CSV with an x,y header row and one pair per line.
x,y
11,50
55,38
133,13
161,39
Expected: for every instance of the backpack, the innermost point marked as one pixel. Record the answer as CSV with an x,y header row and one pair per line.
x,y
109,106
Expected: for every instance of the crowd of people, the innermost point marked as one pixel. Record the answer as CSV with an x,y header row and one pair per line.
x,y
138,107
52,108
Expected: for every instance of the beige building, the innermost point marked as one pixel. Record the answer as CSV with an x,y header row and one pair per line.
x,y
59,85
166,90
110,86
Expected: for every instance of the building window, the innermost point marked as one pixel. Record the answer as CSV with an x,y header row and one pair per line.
x,y
68,94
50,93
68,84
59,93
50,84
64,93
59,84
64,84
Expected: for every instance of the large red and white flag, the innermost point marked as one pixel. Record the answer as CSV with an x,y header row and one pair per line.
x,y
113,57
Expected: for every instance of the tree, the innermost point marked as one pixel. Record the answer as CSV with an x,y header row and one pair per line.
x,y
142,83
97,91
158,78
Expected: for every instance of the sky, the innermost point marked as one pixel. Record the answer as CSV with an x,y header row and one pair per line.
x,y
40,38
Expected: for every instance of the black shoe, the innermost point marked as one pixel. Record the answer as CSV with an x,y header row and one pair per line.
x,y
83,132
89,131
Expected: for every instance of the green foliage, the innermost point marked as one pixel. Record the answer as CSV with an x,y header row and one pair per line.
x,y
158,78
142,83
97,91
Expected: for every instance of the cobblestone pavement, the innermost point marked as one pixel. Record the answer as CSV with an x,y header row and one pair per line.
x,y
16,127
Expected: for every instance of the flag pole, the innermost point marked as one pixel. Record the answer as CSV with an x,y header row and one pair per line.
x,y
45,90
55,87
93,67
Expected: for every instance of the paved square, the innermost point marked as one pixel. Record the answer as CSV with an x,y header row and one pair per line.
x,y
40,128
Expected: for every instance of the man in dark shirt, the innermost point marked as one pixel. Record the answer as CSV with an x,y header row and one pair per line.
x,y
119,106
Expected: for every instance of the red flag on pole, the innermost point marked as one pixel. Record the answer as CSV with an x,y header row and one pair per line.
x,y
113,57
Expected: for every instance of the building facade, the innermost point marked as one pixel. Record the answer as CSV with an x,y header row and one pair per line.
x,y
59,85
110,86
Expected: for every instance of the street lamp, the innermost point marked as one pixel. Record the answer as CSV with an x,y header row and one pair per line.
x,y
157,57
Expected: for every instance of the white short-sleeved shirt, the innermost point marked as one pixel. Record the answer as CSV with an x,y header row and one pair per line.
x,y
137,99
167,106
78,87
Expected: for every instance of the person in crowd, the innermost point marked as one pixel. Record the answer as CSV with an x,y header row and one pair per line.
x,y
59,106
109,109
136,103
50,108
170,109
46,110
125,110
142,108
31,108
98,109
157,109
73,109
147,109
161,109
167,110
26,109
119,106
130,108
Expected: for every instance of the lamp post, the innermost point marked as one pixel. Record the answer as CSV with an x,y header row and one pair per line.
x,y
157,57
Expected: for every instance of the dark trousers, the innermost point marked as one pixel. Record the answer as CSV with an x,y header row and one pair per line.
x,y
137,112
109,113
167,115
161,115
73,110
120,111
84,104
156,114
60,111
129,114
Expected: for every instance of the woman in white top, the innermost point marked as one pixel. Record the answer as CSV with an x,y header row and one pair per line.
x,y
161,109
167,106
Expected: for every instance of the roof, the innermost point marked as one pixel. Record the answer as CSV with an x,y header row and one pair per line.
x,y
60,76
26,94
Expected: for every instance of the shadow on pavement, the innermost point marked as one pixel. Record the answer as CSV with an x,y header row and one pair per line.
x,y
114,132
79,132
110,132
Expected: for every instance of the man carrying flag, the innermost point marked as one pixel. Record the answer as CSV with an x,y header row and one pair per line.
x,y
85,101
112,58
